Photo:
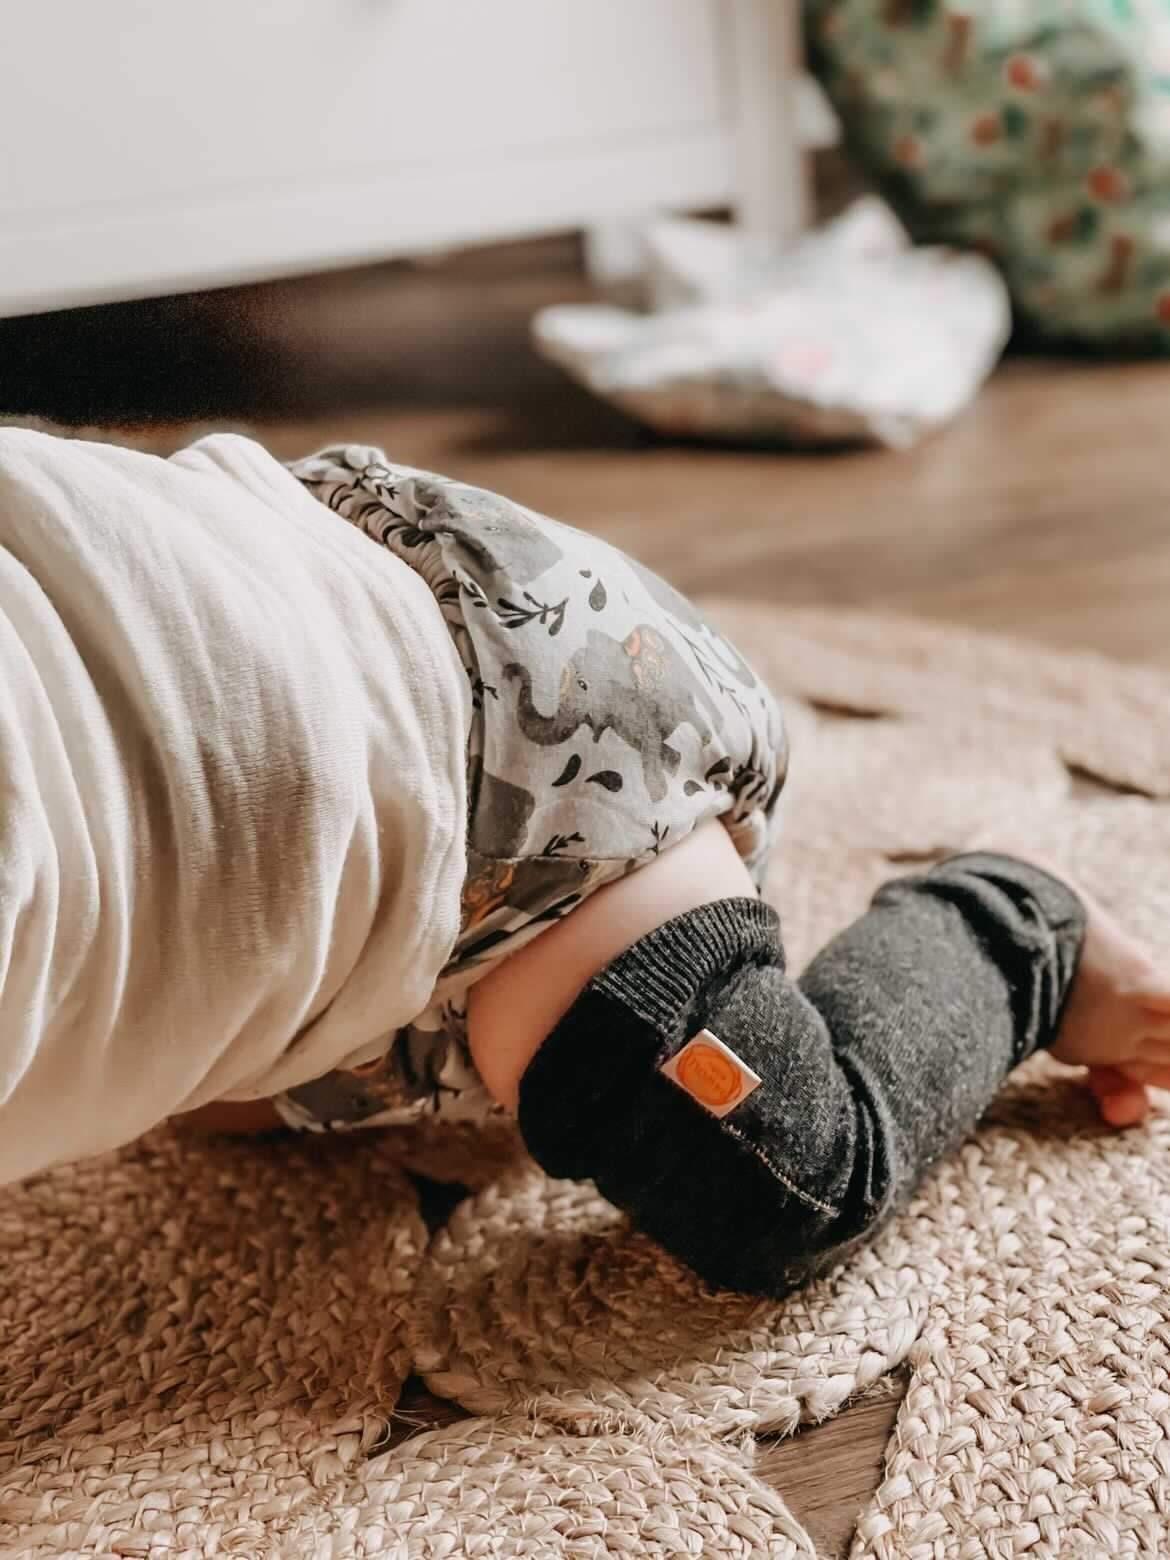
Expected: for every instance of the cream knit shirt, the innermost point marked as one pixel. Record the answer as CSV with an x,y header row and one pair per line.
x,y
232,789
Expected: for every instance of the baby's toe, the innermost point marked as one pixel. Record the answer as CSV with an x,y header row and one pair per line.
x,y
1121,1099
1125,1109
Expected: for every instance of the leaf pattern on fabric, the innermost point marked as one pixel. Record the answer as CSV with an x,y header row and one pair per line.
x,y
609,778
560,843
570,771
549,614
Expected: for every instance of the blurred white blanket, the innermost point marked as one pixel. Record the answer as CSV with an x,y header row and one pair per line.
x,y
849,335
232,808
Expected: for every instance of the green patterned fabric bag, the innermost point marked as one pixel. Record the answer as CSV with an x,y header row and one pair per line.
x,y
1037,131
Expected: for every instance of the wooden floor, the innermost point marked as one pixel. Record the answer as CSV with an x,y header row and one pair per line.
x,y
1045,511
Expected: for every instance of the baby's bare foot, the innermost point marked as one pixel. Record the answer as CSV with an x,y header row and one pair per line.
x,y
1117,1019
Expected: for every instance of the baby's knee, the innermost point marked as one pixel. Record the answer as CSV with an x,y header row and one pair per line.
x,y
758,1217
740,1147
518,1003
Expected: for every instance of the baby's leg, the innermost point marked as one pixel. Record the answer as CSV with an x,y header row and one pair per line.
x,y
878,1061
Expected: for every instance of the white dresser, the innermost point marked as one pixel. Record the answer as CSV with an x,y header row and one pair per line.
x,y
151,147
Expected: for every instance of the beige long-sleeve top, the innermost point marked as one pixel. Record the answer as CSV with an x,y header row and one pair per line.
x,y
232,803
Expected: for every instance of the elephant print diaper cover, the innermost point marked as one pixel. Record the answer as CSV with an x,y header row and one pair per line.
x,y
609,720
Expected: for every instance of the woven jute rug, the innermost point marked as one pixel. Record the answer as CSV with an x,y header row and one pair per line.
x,y
203,1344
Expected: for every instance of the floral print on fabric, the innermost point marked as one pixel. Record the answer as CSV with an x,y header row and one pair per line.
x,y
609,720
1037,131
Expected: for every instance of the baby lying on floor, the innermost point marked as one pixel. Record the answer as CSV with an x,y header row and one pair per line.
x,y
341,793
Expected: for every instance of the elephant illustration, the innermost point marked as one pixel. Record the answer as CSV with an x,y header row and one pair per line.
x,y
504,546
638,687
727,657
501,811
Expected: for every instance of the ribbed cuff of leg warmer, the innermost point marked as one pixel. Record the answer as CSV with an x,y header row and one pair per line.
x,y
1059,903
586,1084
660,976
1047,926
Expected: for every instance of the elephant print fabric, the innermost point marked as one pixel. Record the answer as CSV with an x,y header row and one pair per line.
x,y
609,719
